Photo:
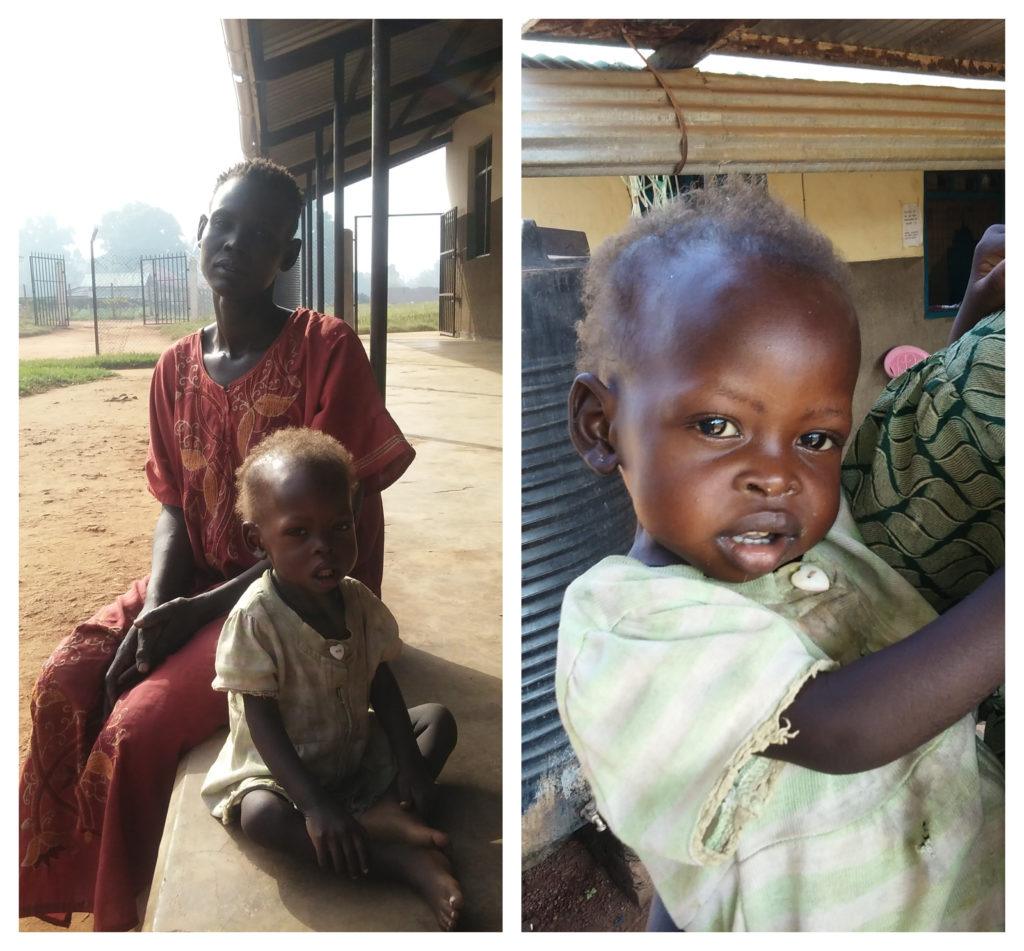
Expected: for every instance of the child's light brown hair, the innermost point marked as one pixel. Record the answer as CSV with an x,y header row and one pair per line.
x,y
296,446
735,216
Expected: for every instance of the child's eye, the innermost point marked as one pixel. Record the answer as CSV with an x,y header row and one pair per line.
x,y
342,526
717,427
819,442
296,532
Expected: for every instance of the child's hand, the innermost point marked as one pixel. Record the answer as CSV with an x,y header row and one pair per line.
x,y
416,788
339,840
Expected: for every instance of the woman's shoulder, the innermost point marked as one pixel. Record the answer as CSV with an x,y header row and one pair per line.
x,y
317,327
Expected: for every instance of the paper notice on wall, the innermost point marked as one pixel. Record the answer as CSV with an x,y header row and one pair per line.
x,y
912,226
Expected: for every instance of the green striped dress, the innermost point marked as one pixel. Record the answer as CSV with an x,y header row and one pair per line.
x,y
668,684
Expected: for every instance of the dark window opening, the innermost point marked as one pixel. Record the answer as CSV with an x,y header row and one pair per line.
x,y
479,242
958,207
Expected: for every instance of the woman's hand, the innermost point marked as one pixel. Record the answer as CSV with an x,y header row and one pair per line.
x,y
988,270
156,634
338,838
986,287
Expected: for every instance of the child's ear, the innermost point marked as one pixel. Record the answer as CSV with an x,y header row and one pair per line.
x,y
203,222
291,254
251,537
591,410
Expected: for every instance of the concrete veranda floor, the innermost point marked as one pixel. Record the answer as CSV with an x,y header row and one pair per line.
x,y
442,580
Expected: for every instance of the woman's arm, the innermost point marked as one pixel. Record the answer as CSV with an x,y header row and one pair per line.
x,y
986,287
887,704
169,616
171,574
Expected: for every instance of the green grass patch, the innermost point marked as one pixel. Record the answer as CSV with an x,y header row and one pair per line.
x,y
38,376
27,326
402,318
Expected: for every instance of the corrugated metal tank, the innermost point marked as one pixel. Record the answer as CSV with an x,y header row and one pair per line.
x,y
619,122
571,519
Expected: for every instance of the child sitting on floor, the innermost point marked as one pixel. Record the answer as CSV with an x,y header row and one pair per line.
x,y
306,768
768,714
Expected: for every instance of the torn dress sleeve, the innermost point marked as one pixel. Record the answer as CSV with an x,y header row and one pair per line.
x,y
667,699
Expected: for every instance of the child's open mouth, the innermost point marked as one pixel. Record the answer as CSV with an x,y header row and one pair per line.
x,y
755,538
326,575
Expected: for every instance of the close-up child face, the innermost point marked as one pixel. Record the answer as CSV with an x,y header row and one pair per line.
x,y
247,239
304,524
729,429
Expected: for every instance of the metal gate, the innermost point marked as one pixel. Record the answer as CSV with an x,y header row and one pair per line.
x,y
49,290
164,281
446,291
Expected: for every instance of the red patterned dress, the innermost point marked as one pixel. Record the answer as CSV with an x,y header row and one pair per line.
x,y
94,794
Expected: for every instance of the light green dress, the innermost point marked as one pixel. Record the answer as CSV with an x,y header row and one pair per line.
x,y
322,687
669,683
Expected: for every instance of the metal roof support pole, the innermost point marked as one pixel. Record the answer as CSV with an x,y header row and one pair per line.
x,y
379,147
318,168
341,277
307,245
302,256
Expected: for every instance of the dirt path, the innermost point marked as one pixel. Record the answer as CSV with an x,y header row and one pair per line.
x,y
79,340
85,517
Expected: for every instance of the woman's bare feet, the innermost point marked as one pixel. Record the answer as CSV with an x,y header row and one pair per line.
x,y
387,821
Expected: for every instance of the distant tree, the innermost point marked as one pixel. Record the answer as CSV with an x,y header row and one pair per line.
x,y
431,277
137,229
43,235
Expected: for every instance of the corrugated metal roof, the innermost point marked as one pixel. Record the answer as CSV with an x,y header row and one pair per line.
x,y
943,47
542,61
439,69
586,122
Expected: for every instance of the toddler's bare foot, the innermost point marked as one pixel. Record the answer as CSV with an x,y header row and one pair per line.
x,y
387,821
430,873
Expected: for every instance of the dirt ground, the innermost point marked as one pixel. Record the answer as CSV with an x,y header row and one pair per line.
x,y
79,340
570,891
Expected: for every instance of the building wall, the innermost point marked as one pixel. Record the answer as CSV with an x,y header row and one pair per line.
x,y
861,212
478,280
599,206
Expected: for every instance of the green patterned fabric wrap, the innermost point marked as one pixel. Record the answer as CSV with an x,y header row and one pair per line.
x,y
925,472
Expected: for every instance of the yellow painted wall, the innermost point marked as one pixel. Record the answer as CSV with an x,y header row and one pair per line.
x,y
468,131
860,212
598,206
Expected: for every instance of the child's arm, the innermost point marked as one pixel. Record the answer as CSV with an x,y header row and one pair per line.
x,y
337,836
887,704
986,290
416,788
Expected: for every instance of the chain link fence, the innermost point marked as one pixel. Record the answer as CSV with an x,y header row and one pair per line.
x,y
139,302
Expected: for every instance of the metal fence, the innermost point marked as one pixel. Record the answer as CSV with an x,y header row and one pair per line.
x,y
49,290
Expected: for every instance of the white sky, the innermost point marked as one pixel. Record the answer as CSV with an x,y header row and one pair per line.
x,y
755,66
138,108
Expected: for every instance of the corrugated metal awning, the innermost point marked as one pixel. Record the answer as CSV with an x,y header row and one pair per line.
x,y
587,122
939,47
284,72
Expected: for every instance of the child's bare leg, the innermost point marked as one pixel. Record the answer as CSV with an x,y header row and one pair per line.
x,y
273,822
428,871
436,734
387,821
